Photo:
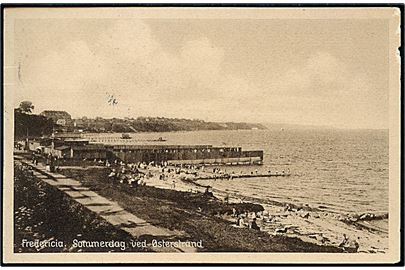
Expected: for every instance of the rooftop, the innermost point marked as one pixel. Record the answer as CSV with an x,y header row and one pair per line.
x,y
160,146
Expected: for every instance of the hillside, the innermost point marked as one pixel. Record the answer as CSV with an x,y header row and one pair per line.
x,y
156,124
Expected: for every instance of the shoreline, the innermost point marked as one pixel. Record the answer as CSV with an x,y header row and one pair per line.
x,y
203,219
299,223
310,224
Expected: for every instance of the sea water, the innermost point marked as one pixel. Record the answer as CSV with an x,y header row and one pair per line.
x,y
344,171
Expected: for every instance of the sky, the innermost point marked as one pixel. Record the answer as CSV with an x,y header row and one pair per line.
x,y
330,72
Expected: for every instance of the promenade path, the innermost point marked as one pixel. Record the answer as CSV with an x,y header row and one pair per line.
x,y
107,209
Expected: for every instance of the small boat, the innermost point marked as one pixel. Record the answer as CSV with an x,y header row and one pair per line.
x,y
125,136
160,139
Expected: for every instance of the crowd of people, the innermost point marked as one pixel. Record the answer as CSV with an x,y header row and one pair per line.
x,y
249,220
127,173
137,174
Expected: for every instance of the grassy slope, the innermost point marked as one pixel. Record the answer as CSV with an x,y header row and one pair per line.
x,y
41,212
179,210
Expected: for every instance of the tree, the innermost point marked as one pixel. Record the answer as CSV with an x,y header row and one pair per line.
x,y
32,125
26,107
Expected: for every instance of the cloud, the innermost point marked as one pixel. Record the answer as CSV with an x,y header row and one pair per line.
x,y
201,61
126,60
67,68
321,74
321,90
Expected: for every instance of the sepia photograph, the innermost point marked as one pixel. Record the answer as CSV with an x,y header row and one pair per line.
x,y
192,134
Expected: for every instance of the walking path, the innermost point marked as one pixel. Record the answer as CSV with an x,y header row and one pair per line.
x,y
108,210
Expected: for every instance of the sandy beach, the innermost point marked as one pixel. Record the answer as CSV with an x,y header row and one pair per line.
x,y
310,224
303,221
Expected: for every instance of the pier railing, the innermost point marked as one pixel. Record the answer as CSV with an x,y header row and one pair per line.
x,y
187,155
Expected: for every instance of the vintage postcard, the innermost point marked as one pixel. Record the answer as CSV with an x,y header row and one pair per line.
x,y
185,134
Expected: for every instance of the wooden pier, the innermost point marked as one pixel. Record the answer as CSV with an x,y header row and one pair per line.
x,y
233,176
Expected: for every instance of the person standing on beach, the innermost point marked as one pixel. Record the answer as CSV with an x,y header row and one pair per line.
x,y
354,245
240,222
254,225
226,199
344,242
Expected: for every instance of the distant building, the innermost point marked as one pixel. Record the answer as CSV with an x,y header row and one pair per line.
x,y
79,123
61,122
61,118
